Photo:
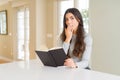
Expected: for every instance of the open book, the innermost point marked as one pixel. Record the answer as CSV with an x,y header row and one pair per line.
x,y
53,57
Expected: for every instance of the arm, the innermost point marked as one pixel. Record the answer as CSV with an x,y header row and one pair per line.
x,y
87,53
84,62
66,47
66,43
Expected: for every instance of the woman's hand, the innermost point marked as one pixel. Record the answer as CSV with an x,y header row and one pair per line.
x,y
68,33
70,63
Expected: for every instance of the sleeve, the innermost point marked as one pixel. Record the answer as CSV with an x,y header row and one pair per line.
x,y
87,53
65,47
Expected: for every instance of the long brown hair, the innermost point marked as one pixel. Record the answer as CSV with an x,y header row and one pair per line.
x,y
79,46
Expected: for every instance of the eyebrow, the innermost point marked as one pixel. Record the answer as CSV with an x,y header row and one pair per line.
x,y
70,17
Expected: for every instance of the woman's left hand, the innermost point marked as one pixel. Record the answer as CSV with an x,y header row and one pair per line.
x,y
70,63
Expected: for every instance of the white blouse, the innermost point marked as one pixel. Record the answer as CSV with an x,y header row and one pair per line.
x,y
84,61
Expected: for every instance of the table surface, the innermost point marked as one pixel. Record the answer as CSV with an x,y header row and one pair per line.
x,y
32,70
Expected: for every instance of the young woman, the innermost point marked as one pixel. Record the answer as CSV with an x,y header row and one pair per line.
x,y
76,43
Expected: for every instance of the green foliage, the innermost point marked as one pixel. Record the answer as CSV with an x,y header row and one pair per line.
x,y
85,16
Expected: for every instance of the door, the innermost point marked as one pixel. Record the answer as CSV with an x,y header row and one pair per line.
x,y
23,34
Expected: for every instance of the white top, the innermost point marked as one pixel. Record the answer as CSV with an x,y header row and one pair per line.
x,y
84,61
34,71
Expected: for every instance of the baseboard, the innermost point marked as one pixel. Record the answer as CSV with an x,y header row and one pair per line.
x,y
4,58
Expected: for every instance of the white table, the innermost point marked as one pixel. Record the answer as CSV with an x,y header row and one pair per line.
x,y
34,71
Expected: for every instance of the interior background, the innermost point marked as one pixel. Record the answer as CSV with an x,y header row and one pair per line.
x,y
104,18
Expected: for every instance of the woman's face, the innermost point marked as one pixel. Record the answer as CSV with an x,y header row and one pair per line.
x,y
71,21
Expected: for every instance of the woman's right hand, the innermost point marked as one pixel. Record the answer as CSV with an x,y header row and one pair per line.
x,y
70,63
68,33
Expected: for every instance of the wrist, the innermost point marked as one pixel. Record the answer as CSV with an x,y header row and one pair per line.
x,y
75,66
67,40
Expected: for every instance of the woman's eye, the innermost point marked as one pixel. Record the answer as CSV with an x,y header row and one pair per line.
x,y
72,18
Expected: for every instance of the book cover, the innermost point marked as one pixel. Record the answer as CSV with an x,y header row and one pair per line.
x,y
53,57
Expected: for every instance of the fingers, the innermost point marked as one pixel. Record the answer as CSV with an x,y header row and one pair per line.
x,y
68,33
70,28
69,62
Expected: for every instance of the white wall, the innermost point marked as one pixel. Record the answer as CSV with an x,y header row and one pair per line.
x,y
41,23
105,26
45,22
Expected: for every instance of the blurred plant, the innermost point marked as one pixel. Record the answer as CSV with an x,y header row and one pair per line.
x,y
85,15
